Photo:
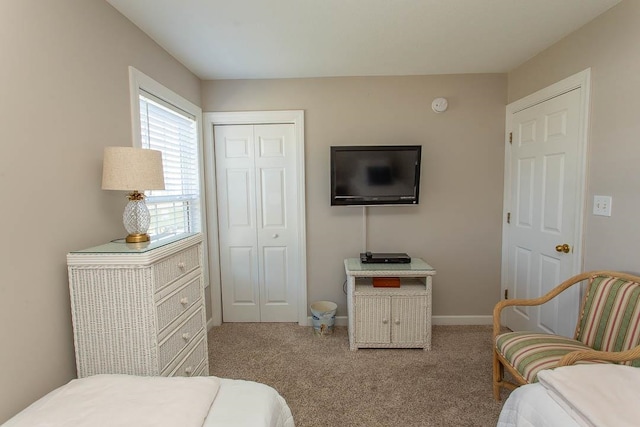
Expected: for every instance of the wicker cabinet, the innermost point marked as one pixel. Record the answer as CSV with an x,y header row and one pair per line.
x,y
389,317
139,308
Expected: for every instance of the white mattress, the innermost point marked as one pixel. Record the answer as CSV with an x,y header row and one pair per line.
x,y
531,406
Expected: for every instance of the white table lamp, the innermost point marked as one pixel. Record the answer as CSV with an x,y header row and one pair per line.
x,y
134,170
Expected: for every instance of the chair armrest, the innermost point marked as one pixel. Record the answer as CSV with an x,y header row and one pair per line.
x,y
536,301
605,356
497,310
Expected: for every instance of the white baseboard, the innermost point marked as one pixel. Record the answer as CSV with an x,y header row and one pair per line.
x,y
462,320
435,320
211,323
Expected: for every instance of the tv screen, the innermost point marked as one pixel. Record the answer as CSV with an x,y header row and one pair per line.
x,y
375,175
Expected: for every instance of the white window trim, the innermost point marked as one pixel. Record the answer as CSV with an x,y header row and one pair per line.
x,y
139,81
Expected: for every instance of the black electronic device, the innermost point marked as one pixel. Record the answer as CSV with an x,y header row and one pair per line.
x,y
375,175
384,258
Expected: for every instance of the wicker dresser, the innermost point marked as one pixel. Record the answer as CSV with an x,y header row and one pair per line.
x,y
389,317
139,308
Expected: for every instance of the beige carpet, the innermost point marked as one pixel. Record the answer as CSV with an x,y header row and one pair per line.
x,y
327,385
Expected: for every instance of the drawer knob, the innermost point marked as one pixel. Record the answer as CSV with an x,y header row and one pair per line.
x,y
385,321
181,265
188,370
184,301
186,336
397,321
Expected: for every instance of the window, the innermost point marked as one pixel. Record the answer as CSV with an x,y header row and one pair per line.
x,y
174,130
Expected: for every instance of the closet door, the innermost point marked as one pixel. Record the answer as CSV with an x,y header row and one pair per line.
x,y
255,180
235,182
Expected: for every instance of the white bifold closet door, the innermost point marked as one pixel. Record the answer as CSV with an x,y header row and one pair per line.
x,y
257,222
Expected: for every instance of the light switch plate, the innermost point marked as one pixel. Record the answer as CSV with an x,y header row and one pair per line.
x,y
602,205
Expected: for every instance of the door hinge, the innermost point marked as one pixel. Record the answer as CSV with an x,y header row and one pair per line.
x,y
506,294
510,137
508,217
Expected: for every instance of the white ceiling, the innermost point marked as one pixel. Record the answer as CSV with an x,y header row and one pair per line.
x,y
241,39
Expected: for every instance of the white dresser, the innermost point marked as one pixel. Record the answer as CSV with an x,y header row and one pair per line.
x,y
139,308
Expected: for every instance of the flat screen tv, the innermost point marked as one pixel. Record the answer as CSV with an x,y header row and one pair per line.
x,y
375,175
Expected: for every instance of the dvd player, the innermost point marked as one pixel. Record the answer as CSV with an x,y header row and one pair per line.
x,y
384,258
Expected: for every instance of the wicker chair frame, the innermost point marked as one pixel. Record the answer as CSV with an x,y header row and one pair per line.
x,y
500,364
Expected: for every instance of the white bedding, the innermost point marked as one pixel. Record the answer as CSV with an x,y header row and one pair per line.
x,y
586,395
596,395
248,404
531,406
122,400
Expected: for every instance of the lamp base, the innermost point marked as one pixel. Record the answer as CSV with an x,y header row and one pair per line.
x,y
137,238
136,218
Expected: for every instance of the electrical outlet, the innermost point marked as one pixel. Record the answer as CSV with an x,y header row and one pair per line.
x,y
602,205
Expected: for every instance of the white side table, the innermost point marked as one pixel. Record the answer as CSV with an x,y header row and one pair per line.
x,y
389,317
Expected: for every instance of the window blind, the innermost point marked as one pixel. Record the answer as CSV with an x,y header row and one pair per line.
x,y
164,127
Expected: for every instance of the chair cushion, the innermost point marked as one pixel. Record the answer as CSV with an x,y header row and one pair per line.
x,y
610,319
530,352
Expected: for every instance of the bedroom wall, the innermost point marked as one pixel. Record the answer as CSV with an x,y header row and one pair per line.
x,y
64,97
457,225
609,46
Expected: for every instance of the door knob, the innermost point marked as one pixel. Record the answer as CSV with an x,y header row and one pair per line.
x,y
563,248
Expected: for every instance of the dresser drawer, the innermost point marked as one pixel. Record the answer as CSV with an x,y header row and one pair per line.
x,y
179,301
194,359
176,266
203,370
180,338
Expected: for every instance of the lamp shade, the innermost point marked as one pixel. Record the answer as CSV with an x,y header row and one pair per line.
x,y
132,169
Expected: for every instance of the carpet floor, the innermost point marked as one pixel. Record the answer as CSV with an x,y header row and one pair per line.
x,y
326,384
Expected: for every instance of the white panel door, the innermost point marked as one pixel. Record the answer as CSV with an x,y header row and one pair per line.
x,y
238,239
257,221
544,209
275,164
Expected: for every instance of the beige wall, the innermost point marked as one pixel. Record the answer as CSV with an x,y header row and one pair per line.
x,y
457,225
609,46
64,95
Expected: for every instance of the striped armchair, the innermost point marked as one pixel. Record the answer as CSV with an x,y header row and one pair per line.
x,y
608,331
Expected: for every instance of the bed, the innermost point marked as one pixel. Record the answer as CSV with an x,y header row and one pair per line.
x,y
580,395
126,400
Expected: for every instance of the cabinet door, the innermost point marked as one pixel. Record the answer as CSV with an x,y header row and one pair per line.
x,y
372,319
409,319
